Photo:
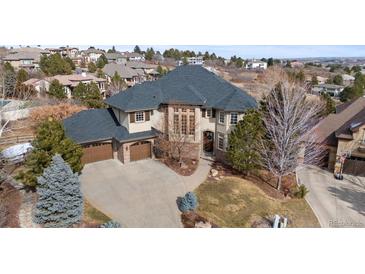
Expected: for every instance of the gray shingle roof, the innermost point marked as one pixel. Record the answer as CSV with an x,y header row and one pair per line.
x,y
122,70
186,85
100,125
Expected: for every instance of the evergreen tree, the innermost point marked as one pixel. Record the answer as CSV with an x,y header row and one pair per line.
x,y
22,76
243,149
55,64
101,62
91,67
270,62
89,95
137,49
338,80
70,62
149,54
330,105
60,202
50,140
56,90
100,73
9,83
8,67
112,50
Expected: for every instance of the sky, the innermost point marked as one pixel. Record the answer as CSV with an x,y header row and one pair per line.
x,y
275,51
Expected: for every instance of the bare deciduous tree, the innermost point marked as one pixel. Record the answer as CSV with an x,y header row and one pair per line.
x,y
288,118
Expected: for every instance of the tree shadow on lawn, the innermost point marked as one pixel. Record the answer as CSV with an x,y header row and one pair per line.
x,y
354,197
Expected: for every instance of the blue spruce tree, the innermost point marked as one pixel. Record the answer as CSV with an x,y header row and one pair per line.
x,y
60,202
192,200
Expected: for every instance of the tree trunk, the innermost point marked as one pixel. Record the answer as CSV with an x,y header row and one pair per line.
x,y
278,186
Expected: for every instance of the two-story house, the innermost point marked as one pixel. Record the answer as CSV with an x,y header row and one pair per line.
x,y
25,58
343,134
189,100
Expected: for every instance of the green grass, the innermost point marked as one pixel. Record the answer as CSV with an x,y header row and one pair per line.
x,y
93,215
235,202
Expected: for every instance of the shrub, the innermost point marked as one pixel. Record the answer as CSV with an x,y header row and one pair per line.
x,y
301,192
60,202
50,140
111,224
56,112
187,203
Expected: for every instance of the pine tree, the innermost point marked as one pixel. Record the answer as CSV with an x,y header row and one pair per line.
x,y
60,202
243,152
50,140
22,76
56,90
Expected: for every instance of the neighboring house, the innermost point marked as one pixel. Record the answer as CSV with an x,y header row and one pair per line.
x,y
343,134
133,56
69,82
330,89
297,64
40,85
321,80
26,58
92,54
348,79
192,61
129,75
116,57
189,100
256,65
145,71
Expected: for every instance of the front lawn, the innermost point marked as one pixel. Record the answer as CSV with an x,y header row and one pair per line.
x,y
236,202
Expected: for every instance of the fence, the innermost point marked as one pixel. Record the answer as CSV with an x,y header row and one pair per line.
x,y
16,139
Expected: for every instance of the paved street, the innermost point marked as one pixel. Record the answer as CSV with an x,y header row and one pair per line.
x,y
336,203
139,194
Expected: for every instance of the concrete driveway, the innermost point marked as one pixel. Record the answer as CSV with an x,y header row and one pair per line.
x,y
138,194
336,203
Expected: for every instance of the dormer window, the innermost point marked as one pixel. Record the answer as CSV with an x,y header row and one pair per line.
x,y
140,116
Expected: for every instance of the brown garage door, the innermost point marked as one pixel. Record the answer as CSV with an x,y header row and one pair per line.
x,y
140,150
354,166
97,152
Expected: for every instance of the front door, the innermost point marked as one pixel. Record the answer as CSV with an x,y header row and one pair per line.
x,y
208,141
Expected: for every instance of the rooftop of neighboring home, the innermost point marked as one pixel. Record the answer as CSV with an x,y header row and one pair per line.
x,y
347,77
123,71
26,53
74,79
139,65
114,55
131,54
329,86
348,117
93,50
192,85
31,81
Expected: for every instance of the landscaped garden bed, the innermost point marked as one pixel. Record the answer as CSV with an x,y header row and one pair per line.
x,y
187,168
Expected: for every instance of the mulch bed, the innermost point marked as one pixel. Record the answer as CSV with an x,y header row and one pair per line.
x,y
10,201
263,179
187,169
190,218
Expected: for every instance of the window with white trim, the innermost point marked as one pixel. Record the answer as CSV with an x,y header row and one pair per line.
x,y
234,118
221,117
220,141
139,116
209,113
